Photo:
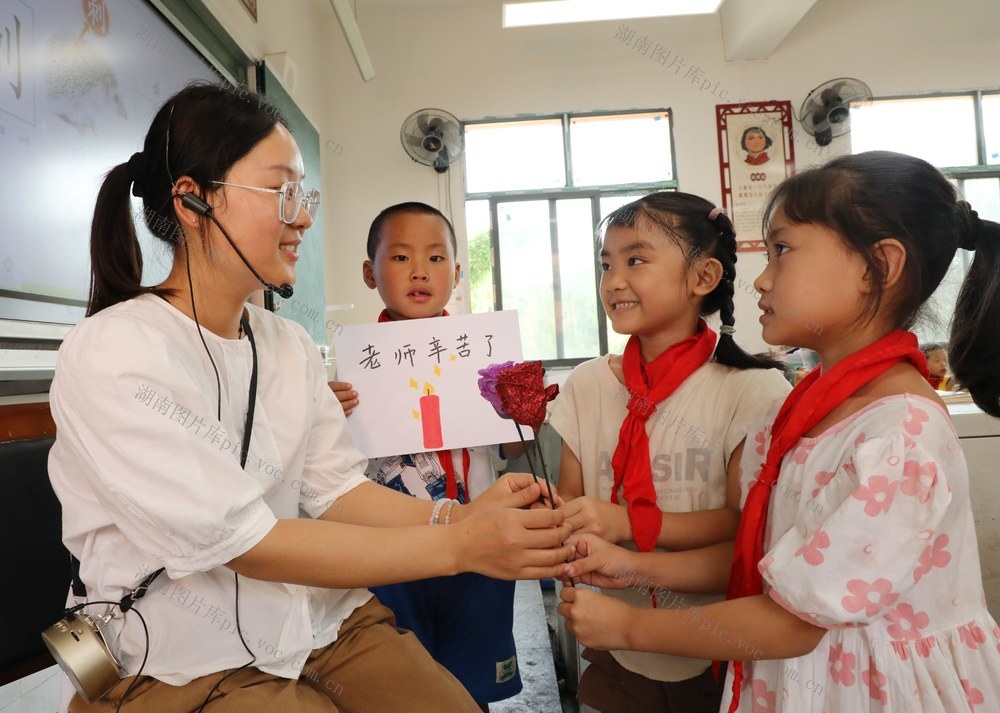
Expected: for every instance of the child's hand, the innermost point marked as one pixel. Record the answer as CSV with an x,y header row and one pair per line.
x,y
600,563
608,521
513,544
513,490
348,398
597,621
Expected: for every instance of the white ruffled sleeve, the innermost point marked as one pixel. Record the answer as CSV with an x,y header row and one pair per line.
x,y
893,493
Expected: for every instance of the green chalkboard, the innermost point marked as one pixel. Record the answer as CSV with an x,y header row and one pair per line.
x,y
308,305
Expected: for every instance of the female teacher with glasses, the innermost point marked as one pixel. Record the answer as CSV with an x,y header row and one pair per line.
x,y
200,452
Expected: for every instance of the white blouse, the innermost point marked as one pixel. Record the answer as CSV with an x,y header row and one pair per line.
x,y
870,535
149,476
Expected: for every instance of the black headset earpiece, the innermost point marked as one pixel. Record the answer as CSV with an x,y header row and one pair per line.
x,y
193,202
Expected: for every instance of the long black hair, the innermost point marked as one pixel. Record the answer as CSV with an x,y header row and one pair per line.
x,y
209,127
877,195
699,230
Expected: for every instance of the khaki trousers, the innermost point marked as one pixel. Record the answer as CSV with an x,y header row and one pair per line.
x,y
371,667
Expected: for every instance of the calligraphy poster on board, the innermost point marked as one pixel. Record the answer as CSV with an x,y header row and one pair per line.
x,y
417,381
756,153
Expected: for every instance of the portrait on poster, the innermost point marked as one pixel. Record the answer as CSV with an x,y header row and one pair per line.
x,y
755,155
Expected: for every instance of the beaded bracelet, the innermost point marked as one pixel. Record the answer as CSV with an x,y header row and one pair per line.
x,y
441,514
436,512
447,511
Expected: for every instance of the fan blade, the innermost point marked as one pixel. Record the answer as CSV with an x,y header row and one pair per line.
x,y
415,141
423,122
824,137
829,97
840,87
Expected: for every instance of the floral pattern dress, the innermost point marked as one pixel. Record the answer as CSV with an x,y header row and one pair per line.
x,y
870,535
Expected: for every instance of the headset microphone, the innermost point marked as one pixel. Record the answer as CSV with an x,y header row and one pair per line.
x,y
196,204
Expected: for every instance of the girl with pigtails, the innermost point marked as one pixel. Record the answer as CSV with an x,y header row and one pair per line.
x,y
854,582
652,438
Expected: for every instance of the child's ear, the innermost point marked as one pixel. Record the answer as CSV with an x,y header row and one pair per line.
x,y
368,274
704,275
891,254
458,274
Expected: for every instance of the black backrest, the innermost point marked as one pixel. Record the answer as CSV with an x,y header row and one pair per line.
x,y
35,565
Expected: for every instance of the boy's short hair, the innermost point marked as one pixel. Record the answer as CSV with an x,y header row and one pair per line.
x,y
929,347
414,207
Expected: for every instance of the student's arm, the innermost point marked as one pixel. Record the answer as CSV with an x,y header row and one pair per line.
x,y
570,474
601,564
742,629
511,450
688,530
345,394
678,531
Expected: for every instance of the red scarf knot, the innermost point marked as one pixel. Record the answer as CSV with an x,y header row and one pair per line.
x,y
640,407
648,384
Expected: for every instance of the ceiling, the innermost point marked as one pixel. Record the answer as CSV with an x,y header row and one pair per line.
x,y
751,29
362,5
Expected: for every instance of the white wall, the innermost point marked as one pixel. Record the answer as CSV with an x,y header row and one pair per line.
x,y
459,59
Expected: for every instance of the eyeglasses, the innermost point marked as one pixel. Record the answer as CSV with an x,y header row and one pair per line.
x,y
292,198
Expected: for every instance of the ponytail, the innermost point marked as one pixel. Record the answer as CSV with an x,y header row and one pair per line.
x,y
205,129
974,350
115,256
727,351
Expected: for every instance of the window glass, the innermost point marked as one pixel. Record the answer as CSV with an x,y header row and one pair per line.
x,y
526,273
630,148
991,126
577,279
940,130
514,155
477,227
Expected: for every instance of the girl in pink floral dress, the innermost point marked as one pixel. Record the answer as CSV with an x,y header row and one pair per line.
x,y
855,585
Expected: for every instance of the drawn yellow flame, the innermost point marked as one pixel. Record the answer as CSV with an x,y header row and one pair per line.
x,y
428,389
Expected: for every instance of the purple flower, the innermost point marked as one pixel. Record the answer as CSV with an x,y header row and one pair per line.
x,y
488,386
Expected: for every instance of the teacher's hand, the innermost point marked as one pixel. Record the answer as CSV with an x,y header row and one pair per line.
x,y
513,544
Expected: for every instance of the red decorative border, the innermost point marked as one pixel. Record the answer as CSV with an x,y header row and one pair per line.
x,y
722,114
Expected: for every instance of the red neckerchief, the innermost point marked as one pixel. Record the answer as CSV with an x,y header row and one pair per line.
x,y
451,484
444,457
808,403
648,385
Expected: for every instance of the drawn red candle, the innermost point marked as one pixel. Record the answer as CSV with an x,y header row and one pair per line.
x,y
430,420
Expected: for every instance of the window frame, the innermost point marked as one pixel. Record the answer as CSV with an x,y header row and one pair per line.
x,y
960,174
592,192
982,169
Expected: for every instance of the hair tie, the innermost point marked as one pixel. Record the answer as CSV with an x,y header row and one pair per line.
x,y
714,213
970,226
134,171
727,330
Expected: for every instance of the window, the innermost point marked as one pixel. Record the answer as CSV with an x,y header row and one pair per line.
x,y
959,134
536,192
